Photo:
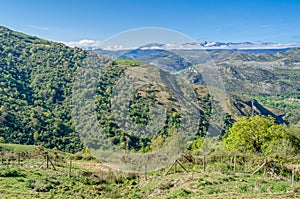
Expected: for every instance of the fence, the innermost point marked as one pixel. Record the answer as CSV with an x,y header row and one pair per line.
x,y
223,162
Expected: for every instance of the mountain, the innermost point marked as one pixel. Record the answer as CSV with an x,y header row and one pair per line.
x,y
270,78
251,71
255,70
35,89
39,86
36,92
174,57
164,59
204,45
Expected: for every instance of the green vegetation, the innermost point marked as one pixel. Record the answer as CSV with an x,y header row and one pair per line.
x,y
129,62
37,78
284,103
140,103
91,179
36,84
35,87
17,147
36,97
259,134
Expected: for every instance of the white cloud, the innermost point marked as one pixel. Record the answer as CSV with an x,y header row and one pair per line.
x,y
118,47
94,44
85,43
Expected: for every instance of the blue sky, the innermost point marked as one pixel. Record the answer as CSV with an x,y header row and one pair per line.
x,y
235,21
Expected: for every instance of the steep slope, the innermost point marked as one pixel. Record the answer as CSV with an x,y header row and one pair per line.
x,y
37,78
36,82
164,59
268,75
244,106
271,79
258,71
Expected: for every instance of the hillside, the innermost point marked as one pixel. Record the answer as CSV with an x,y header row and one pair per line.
x,y
271,76
37,82
243,71
270,79
37,78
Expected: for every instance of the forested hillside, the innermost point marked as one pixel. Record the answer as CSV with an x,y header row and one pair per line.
x,y
36,85
36,82
35,88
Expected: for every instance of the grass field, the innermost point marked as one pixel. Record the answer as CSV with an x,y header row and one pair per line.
x,y
91,179
280,105
18,147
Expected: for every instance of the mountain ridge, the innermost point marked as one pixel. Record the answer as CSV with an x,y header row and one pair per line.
x,y
204,45
36,84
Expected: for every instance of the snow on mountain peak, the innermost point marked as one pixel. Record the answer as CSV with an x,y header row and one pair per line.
x,y
93,44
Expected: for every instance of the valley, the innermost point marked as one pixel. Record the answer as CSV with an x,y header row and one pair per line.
x,y
113,123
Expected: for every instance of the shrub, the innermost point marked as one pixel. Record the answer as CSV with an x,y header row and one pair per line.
x,y
12,173
280,187
182,192
256,134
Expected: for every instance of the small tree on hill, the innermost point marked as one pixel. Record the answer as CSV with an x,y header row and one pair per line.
x,y
256,134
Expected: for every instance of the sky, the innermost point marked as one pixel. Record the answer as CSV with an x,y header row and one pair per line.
x,y
209,20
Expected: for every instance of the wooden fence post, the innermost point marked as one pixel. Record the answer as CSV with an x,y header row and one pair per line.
x,y
273,168
265,167
145,172
70,169
175,167
181,166
47,162
261,166
19,158
293,176
234,163
204,163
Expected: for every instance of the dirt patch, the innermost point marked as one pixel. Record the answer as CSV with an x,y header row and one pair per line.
x,y
296,166
91,166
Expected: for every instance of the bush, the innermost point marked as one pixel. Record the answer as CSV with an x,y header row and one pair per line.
x,y
42,187
12,173
182,192
257,134
280,187
30,184
243,188
83,156
166,185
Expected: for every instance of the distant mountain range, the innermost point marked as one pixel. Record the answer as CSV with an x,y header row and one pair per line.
x,y
174,57
38,79
94,45
262,71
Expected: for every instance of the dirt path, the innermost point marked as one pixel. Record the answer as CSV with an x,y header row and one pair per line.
x,y
296,166
91,166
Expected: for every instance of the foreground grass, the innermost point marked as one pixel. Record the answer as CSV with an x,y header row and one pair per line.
x,y
18,147
90,179
20,182
41,183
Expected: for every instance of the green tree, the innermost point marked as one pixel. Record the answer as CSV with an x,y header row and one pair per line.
x,y
256,134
